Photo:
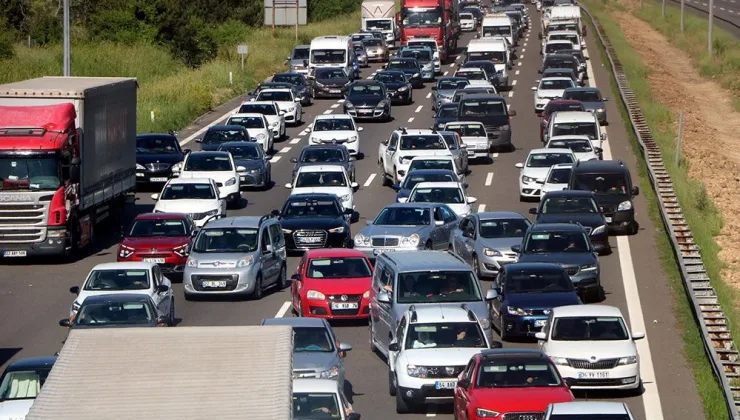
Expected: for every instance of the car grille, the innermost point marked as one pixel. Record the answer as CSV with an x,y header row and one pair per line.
x,y
444,371
598,382
22,214
157,166
609,210
524,416
310,238
571,270
350,298
540,311
197,216
585,364
334,141
231,282
384,241
345,312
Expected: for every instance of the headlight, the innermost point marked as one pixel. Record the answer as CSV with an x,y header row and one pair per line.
x,y
600,110
624,205
403,89
348,104
212,212
177,167
274,123
340,229
404,160
261,136
361,240
287,230
318,84
517,311
330,374
562,361
290,109
366,295
598,230
412,240
589,267
125,251
352,139
488,252
244,262
140,167
485,323
345,197
527,180
192,263
253,171
484,413
182,250
416,371
504,127
75,306
416,75
314,140
230,182
629,360
314,295
381,104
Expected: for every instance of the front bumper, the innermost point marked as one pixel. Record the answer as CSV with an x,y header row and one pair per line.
x,y
332,240
168,261
373,252
367,113
540,104
292,116
352,147
419,391
49,248
478,150
499,138
623,377
237,281
251,179
467,26
490,266
620,220
428,75
529,190
323,309
329,92
522,326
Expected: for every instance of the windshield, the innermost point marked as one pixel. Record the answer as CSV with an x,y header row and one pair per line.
x,y
530,281
414,178
403,64
312,340
217,240
437,286
251,152
338,268
117,280
589,329
264,109
316,406
293,79
150,145
246,122
466,16
328,56
496,31
471,74
612,184
300,53
331,74
546,160
322,155
311,208
447,111
447,195
402,216
420,55
583,95
575,129
275,95
416,43
104,314
336,124
483,108
366,90
559,176
421,17
467,130
386,77
573,38
29,173
555,84
557,46
487,66
207,162
516,374
378,24
372,42
555,107
452,84
23,384
577,146
188,192
559,63
431,164
224,136
445,335
320,179
569,205
503,228
422,142
147,228
556,242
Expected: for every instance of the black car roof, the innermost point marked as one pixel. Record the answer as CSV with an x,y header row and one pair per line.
x,y
31,363
569,194
555,227
532,266
155,136
227,128
367,82
601,166
312,196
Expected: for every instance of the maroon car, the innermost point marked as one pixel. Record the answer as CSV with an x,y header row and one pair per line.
x,y
555,106
161,238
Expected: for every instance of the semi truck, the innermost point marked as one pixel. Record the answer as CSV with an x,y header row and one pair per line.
x,y
436,19
67,161
379,15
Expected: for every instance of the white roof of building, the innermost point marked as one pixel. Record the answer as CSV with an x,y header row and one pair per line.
x,y
586,310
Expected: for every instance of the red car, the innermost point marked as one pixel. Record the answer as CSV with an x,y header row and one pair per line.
x,y
508,383
332,283
555,106
162,238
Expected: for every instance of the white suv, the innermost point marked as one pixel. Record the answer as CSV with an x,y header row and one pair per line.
x,y
548,89
474,136
218,166
569,123
432,346
336,129
275,116
395,153
286,101
198,198
328,179
451,193
535,169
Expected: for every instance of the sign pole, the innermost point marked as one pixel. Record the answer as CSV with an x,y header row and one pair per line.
x,y
296,19
273,19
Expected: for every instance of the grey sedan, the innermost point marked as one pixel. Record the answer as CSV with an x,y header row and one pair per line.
x,y
445,88
406,227
591,99
484,240
258,173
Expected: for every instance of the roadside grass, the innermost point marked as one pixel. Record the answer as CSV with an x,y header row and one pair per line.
x,y
699,211
176,94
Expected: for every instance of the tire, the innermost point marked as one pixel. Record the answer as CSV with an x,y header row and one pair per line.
x,y
476,266
392,384
502,329
428,246
258,292
395,176
402,407
172,312
282,281
633,229
299,311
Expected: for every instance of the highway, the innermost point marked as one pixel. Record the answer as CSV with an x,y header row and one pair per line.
x,y
726,12
34,295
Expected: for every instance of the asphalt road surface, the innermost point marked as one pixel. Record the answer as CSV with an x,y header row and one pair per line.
x,y
34,295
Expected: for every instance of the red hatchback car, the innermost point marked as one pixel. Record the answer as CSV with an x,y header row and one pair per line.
x,y
555,106
161,238
508,383
333,284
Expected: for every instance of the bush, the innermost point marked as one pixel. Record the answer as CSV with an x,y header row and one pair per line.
x,y
7,49
188,37
319,10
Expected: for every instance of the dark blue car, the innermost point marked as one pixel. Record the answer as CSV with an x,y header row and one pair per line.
x,y
423,175
523,295
220,134
445,113
155,155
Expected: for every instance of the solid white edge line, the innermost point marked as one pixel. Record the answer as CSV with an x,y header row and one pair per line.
x,y
369,180
283,310
489,179
191,137
481,208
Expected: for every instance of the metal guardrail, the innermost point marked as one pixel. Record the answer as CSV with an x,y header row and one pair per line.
x,y
716,335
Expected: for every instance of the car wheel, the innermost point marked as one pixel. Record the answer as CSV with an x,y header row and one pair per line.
x,y
428,246
476,266
373,348
299,313
383,175
411,97
395,175
633,228
391,383
282,279
172,312
502,328
258,292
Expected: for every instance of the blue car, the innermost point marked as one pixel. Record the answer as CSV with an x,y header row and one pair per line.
x,y
523,295
423,175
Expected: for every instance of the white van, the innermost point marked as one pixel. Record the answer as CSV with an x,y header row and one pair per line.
x,y
332,51
498,25
494,50
558,13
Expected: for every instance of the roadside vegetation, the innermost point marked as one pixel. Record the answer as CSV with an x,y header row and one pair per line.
x,y
700,213
181,53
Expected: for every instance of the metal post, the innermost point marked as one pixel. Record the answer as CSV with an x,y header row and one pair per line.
x,y
242,62
662,10
710,35
273,19
297,4
66,38
680,137
683,2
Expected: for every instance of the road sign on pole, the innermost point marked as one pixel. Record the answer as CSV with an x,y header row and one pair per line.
x,y
286,12
242,50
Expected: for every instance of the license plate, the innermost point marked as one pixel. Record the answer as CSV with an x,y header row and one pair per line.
x,y
608,219
539,322
158,179
365,111
309,240
444,385
347,305
11,254
382,251
212,283
593,375
335,91
154,260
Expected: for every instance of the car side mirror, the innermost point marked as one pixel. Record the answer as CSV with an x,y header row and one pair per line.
x,y
360,129
65,323
288,185
297,99
396,187
533,210
199,140
344,347
569,382
439,222
635,190
598,150
75,290
163,288
383,297
463,383
403,199
638,335
540,336
394,347
434,87
194,233
293,160
465,185
296,277
186,151
519,165
472,200
516,248
512,113
283,112
154,197
268,249
534,87
491,294
354,185
305,63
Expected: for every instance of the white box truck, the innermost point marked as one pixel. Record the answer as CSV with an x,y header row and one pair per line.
x,y
380,15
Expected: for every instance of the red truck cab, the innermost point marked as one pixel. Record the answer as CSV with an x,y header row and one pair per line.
x,y
435,19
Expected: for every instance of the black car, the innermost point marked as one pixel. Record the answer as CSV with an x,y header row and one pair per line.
x,y
488,66
368,99
566,244
329,82
119,310
305,217
410,67
580,207
397,84
299,83
611,183
525,293
336,154
493,112
27,376
250,155
560,61
445,113
219,134
272,85
155,155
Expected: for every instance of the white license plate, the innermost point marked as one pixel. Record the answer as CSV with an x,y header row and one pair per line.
x,y
608,219
381,251
154,260
335,91
593,375
539,322
310,240
158,179
214,283
347,305
444,385
365,111
14,253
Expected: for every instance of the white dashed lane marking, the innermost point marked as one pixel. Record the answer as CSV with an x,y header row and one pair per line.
x,y
446,73
418,108
513,83
369,180
303,133
516,73
429,95
295,141
511,94
452,65
341,101
489,179
275,159
335,106
285,150
328,111
411,119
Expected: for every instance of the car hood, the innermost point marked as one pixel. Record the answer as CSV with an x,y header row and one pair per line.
x,y
537,173
84,294
440,357
186,206
314,360
143,159
566,258
250,163
586,219
441,121
217,259
218,176
529,399
585,156
333,82
414,153
550,93
352,286
500,244
394,85
333,134
158,242
374,230
365,100
15,409
541,300
611,199
448,93
588,349
461,210
323,223
553,187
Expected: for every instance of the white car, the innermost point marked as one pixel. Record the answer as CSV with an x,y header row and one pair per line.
x,y
552,47
450,193
588,410
550,88
570,123
286,101
197,197
592,347
328,179
275,116
571,36
395,153
421,355
437,162
467,22
476,76
218,166
258,128
336,128
475,137
535,169
309,393
580,145
557,178
139,278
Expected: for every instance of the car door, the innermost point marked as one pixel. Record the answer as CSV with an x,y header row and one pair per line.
x,y
462,399
278,244
463,154
268,256
388,318
456,153
296,284
498,285
390,152
450,221
467,239
162,300
542,344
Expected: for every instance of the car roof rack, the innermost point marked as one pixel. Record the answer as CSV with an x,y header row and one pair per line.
x,y
471,315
